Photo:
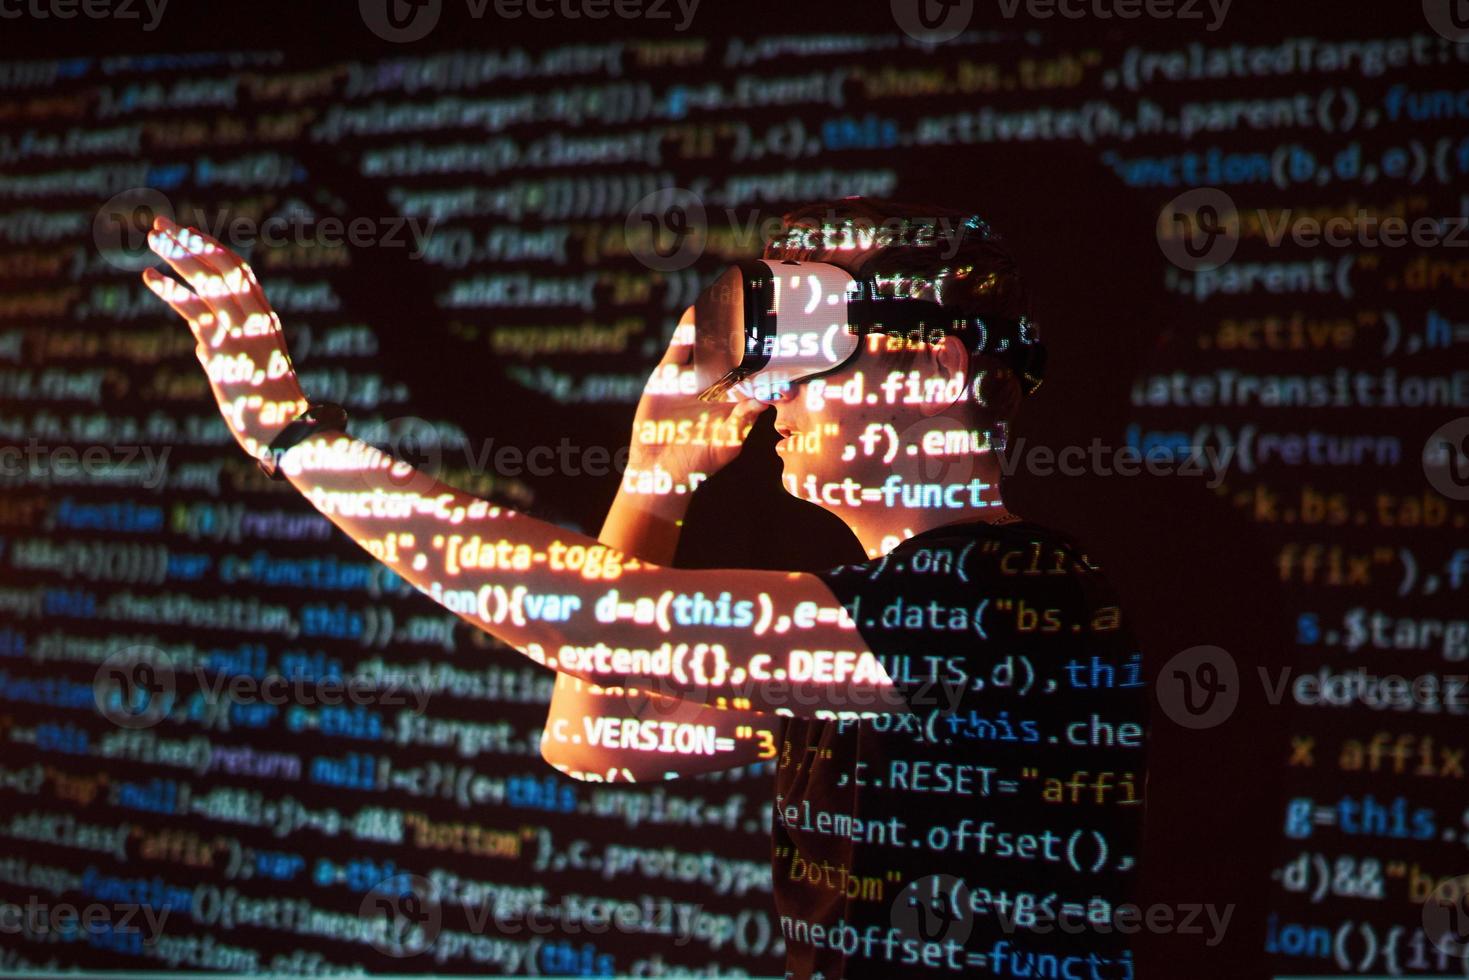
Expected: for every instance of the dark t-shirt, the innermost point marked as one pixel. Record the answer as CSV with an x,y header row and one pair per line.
x,y
994,830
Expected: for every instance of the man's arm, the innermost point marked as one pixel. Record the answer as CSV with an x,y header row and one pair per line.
x,y
615,734
780,640
587,726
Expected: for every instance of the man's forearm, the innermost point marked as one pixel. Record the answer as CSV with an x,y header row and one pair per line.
x,y
649,527
465,553
610,734
579,606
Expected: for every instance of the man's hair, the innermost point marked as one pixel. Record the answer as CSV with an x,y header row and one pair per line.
x,y
923,252
869,237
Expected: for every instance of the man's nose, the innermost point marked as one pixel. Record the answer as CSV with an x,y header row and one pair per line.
x,y
790,413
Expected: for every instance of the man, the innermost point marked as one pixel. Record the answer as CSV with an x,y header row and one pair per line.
x,y
957,724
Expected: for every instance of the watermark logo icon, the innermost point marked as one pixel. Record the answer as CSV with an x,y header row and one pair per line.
x,y
1450,18
661,702
1446,916
134,687
934,909
1199,688
411,913
416,450
120,228
1446,459
667,229
401,21
932,21
1198,230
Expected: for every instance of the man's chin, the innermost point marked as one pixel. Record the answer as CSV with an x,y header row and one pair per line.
x,y
814,488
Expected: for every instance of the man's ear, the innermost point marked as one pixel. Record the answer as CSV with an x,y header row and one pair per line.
x,y
951,356
949,361
993,387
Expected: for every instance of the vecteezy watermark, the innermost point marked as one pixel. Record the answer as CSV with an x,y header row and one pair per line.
x,y
936,908
303,228
121,226
90,9
406,21
138,687
932,21
667,229
410,454
1446,918
1098,917
404,916
768,230
670,228
1104,10
656,708
932,918
35,464
64,922
406,913
1200,229
134,687
1446,459
939,462
1450,18
1199,688
1100,459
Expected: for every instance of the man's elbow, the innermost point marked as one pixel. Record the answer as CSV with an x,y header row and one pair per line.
x,y
610,766
580,764
560,756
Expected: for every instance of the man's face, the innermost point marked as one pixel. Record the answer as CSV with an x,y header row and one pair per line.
x,y
891,430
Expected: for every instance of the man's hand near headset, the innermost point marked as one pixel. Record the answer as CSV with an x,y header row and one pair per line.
x,y
677,441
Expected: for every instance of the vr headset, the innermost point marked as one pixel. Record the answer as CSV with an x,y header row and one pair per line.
x,y
766,325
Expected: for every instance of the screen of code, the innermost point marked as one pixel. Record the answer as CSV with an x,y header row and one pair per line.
x,y
248,745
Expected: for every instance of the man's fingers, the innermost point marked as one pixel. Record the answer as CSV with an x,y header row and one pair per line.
x,y
222,278
191,307
743,415
184,301
680,349
181,252
236,273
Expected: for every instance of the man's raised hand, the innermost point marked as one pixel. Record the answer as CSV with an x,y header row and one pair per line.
x,y
240,343
673,430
